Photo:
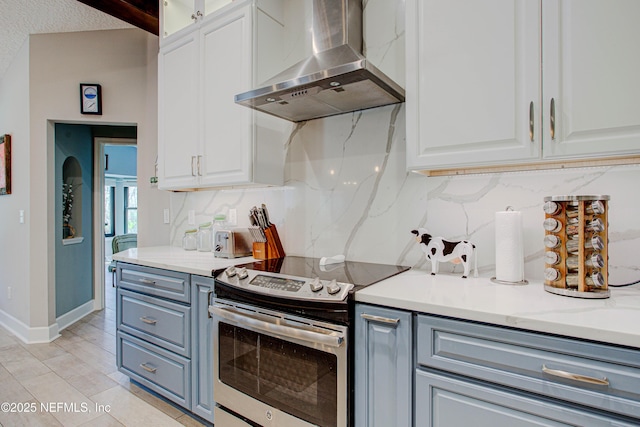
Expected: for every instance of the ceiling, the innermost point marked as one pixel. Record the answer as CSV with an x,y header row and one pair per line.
x,y
19,18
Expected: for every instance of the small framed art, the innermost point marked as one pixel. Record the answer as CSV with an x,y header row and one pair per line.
x,y
5,164
90,98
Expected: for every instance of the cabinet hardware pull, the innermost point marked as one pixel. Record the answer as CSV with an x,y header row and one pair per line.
x,y
552,119
379,319
576,377
193,169
148,368
199,172
196,15
531,135
147,281
148,321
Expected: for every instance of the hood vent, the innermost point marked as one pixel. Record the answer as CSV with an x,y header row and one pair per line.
x,y
337,79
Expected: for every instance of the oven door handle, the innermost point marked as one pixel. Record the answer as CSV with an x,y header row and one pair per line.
x,y
308,334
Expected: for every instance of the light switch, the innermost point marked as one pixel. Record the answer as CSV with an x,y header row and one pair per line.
x,y
166,216
233,217
21,216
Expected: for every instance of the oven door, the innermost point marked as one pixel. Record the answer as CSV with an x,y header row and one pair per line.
x,y
277,369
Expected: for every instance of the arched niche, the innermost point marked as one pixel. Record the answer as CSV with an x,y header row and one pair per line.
x,y
71,198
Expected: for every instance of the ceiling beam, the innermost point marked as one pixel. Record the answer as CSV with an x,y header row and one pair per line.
x,y
140,13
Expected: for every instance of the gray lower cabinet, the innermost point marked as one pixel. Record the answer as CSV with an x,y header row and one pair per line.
x,y
383,367
499,376
154,323
202,356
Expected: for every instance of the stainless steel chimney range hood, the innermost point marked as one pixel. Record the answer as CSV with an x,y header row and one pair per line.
x,y
337,79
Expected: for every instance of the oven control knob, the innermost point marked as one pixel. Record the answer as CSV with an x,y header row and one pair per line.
x,y
230,271
333,287
315,285
242,273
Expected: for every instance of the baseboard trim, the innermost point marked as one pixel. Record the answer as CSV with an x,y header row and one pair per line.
x,y
28,334
74,315
44,334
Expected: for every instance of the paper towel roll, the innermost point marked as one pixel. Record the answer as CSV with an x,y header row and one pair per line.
x,y
509,246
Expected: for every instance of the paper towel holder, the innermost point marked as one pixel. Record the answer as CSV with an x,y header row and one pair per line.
x,y
506,282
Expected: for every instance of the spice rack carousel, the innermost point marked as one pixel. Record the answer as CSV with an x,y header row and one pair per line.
x,y
576,246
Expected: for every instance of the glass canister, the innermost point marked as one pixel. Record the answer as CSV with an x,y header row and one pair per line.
x,y
219,223
189,240
204,237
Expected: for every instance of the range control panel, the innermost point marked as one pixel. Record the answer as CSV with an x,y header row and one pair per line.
x,y
285,286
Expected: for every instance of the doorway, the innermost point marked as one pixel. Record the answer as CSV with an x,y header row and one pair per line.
x,y
116,195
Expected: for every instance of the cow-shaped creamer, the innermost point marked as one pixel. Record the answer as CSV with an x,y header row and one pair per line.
x,y
439,250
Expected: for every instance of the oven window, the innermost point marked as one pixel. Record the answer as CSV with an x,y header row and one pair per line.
x,y
299,380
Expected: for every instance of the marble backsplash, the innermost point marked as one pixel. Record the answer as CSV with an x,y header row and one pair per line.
x,y
347,192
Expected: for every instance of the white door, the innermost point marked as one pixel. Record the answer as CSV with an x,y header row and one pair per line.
x,y
178,134
473,72
226,71
591,67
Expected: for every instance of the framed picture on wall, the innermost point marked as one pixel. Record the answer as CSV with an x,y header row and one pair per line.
x,y
5,164
90,98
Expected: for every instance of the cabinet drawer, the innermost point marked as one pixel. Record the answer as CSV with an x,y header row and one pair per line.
x,y
162,283
162,371
162,322
444,401
604,377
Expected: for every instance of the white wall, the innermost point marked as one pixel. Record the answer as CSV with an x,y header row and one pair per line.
x,y
122,61
14,237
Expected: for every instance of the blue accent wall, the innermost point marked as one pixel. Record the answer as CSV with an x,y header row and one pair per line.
x,y
74,263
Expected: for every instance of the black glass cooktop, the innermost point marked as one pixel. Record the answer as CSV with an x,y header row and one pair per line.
x,y
360,274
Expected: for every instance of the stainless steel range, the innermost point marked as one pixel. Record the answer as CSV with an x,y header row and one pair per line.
x,y
283,352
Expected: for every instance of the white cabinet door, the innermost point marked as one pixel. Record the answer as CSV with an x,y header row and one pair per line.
x,y
178,113
226,71
473,70
591,65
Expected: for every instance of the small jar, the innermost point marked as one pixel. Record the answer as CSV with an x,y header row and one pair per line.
x,y
596,207
596,280
552,225
551,274
551,207
595,260
596,243
204,237
189,241
551,241
551,258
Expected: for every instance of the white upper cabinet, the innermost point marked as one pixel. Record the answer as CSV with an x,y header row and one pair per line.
x,y
205,140
177,15
591,67
481,77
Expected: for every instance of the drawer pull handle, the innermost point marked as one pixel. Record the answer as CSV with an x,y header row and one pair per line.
x,y
148,368
379,319
147,281
148,321
576,377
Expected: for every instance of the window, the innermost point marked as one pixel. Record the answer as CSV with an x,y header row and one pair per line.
x,y
130,210
109,211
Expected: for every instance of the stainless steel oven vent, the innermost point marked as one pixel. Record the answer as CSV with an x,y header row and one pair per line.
x,y
336,79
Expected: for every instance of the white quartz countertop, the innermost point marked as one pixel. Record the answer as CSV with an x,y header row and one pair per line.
x,y
177,259
613,320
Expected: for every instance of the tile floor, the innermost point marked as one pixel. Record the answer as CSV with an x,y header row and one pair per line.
x,y
73,381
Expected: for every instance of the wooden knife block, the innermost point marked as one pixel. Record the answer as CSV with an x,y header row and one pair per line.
x,y
270,249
